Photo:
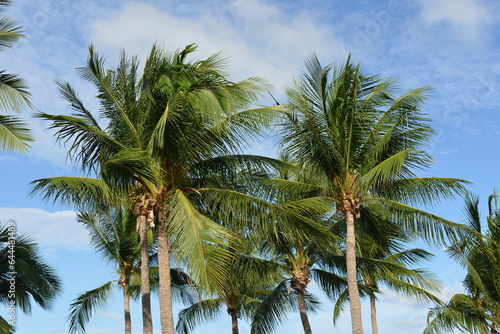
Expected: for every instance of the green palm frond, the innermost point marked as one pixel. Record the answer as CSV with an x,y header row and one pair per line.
x,y
123,169
113,235
35,280
416,287
247,171
202,244
84,192
431,228
422,190
6,327
475,311
183,288
198,313
340,305
88,143
10,32
75,104
410,256
14,95
82,308
272,218
332,284
273,310
14,134
471,212
461,313
235,129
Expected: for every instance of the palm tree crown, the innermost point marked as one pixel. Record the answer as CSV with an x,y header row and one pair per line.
x,y
34,279
365,145
14,134
477,310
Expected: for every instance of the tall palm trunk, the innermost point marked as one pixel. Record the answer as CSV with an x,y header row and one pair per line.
x,y
352,281
234,319
165,289
147,323
126,311
373,311
299,282
303,312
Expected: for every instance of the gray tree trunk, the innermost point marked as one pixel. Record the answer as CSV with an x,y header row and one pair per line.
x,y
165,289
352,281
303,312
373,311
126,311
147,323
234,322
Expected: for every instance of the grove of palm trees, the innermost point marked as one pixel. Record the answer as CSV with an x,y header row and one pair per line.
x,y
197,227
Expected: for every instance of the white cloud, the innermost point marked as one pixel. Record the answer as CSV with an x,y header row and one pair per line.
x,y
259,38
467,17
111,315
48,229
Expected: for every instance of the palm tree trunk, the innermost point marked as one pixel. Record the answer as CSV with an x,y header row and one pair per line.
x,y
303,312
352,281
165,289
147,323
234,321
126,311
373,311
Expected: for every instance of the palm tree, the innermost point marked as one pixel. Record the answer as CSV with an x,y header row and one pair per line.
x,y
113,236
364,144
383,260
298,262
14,134
114,154
478,309
33,279
299,252
198,123
247,283
170,138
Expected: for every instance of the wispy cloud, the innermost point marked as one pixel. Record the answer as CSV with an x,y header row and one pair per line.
x,y
466,18
48,229
259,38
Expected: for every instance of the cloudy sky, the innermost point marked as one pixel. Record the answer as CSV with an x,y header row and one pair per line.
x,y
452,45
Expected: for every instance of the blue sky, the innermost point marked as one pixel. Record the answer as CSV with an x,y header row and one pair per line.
x,y
452,45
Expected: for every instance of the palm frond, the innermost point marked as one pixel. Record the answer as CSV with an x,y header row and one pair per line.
x,y
86,193
14,134
35,279
86,304
201,243
273,310
14,95
333,285
198,313
461,313
422,190
431,228
89,144
10,32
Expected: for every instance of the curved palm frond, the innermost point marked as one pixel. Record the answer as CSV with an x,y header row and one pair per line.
x,y
198,313
14,95
84,192
201,243
14,134
35,279
82,308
